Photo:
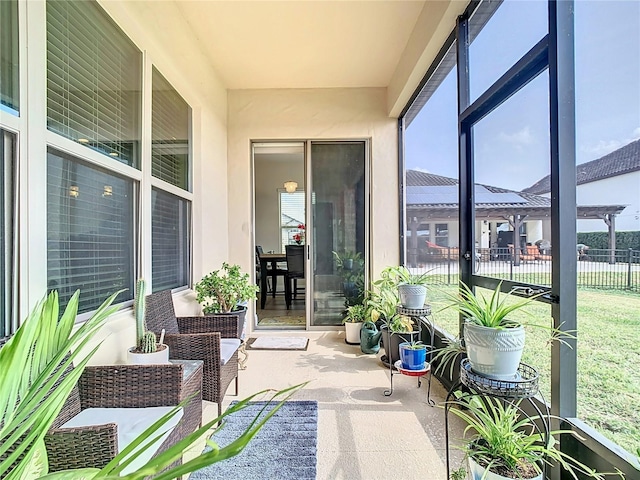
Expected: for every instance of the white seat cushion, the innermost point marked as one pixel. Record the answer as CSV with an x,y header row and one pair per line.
x,y
228,346
131,423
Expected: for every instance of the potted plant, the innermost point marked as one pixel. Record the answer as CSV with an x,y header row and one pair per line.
x,y
350,266
413,355
412,288
225,290
147,349
493,343
506,444
356,316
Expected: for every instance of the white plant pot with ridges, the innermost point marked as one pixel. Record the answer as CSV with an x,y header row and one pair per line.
x,y
412,296
478,473
155,358
352,332
494,352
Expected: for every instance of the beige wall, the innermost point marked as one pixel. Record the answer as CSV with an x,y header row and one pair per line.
x,y
302,114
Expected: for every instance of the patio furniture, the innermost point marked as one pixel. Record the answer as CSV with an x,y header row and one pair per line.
x,y
270,268
112,404
214,339
295,272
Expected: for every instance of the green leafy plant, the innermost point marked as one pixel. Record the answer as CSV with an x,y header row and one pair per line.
x,y
405,277
222,290
355,314
146,341
383,297
458,474
401,324
506,441
488,312
36,382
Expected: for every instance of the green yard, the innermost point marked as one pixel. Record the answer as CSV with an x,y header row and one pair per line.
x,y
608,357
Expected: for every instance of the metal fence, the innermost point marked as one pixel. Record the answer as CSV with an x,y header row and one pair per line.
x,y
597,268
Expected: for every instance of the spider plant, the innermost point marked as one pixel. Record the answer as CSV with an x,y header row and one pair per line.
x,y
506,441
489,312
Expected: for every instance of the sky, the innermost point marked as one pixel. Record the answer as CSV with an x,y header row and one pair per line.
x,y
512,143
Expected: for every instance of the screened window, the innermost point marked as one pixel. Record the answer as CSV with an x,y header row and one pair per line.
x,y
9,68
90,233
7,161
170,134
171,241
93,80
292,211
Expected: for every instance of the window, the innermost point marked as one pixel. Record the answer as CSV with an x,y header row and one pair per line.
x,y
169,134
90,233
171,241
170,221
292,216
442,234
7,230
607,89
9,67
93,80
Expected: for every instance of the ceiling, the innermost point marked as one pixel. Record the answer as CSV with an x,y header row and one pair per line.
x,y
304,43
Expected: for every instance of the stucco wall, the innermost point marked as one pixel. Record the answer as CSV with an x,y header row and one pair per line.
x,y
310,115
620,190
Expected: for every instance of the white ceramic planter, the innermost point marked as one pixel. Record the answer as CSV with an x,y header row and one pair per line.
x,y
412,296
352,332
493,352
155,358
478,473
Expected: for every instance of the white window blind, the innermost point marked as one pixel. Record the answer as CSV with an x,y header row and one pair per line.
x,y
171,240
8,229
90,233
9,65
292,214
93,80
169,133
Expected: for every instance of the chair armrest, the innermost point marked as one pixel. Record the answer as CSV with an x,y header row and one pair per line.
x,y
131,386
91,446
195,346
227,325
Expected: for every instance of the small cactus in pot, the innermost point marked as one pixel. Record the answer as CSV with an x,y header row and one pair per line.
x,y
147,349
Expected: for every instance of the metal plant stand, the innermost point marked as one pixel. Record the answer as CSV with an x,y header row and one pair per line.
x,y
524,386
422,317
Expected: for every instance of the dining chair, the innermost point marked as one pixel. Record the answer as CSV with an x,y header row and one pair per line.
x,y
295,272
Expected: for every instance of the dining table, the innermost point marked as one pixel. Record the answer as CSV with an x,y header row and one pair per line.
x,y
265,260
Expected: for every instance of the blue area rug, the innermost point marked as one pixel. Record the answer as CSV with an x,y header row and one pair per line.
x,y
285,448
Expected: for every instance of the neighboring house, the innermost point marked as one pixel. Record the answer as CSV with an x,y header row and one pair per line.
x,y
432,214
614,178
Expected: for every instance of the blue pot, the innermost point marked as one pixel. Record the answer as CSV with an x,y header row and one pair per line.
x,y
412,358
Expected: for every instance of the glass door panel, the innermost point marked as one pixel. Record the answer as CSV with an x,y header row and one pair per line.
x,y
337,229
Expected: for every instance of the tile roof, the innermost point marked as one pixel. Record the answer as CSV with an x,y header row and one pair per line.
x,y
621,161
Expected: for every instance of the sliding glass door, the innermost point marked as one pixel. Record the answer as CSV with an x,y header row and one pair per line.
x,y
337,253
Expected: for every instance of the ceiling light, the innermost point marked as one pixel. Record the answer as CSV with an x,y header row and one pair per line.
x,y
74,191
83,140
290,186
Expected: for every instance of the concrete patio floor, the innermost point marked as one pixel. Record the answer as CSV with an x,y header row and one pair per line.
x,y
362,434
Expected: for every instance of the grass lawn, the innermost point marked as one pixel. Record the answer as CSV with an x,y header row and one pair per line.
x,y
608,357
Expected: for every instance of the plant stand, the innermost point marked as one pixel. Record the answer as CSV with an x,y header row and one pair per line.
x,y
422,317
524,386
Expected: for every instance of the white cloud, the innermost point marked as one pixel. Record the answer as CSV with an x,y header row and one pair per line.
x,y
420,169
521,137
603,147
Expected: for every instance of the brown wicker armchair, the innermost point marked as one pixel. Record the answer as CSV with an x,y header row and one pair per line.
x,y
121,386
215,339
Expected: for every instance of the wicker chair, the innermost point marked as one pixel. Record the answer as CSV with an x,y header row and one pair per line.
x,y
121,386
215,339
